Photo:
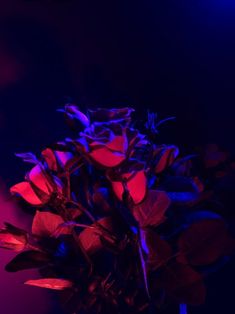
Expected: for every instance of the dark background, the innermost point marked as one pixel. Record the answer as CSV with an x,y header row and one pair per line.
x,y
174,57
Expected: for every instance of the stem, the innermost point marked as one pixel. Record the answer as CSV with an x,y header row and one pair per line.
x,y
144,270
68,185
183,308
83,209
35,248
76,168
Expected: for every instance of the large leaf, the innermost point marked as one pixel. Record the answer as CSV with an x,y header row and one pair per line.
x,y
204,242
183,284
181,190
151,212
51,283
45,224
27,260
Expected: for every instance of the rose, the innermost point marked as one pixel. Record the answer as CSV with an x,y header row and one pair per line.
x,y
130,177
108,144
38,187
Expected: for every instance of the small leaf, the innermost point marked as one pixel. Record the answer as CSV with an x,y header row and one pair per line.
x,y
165,156
90,237
27,260
28,157
151,212
45,224
51,283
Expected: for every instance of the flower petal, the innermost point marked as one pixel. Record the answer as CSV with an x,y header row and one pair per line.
x,y
118,144
25,190
107,158
37,177
49,156
63,157
136,185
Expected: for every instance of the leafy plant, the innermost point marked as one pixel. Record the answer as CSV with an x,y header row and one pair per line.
x,y
123,223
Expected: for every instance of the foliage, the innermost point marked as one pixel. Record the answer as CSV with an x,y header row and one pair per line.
x,y
123,223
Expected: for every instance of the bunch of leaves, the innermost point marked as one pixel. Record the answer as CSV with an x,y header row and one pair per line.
x,y
122,223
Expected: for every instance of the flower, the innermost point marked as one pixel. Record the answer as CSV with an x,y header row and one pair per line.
x,y
108,144
38,187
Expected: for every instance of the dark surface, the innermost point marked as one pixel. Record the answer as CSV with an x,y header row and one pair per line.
x,y
173,57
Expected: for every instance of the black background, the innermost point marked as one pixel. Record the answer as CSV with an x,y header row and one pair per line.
x,y
174,57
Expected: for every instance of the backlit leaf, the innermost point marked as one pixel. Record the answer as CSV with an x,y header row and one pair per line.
x,y
51,283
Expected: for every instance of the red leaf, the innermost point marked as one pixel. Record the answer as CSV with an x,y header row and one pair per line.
x,y
51,283
151,211
203,242
183,284
45,224
11,241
